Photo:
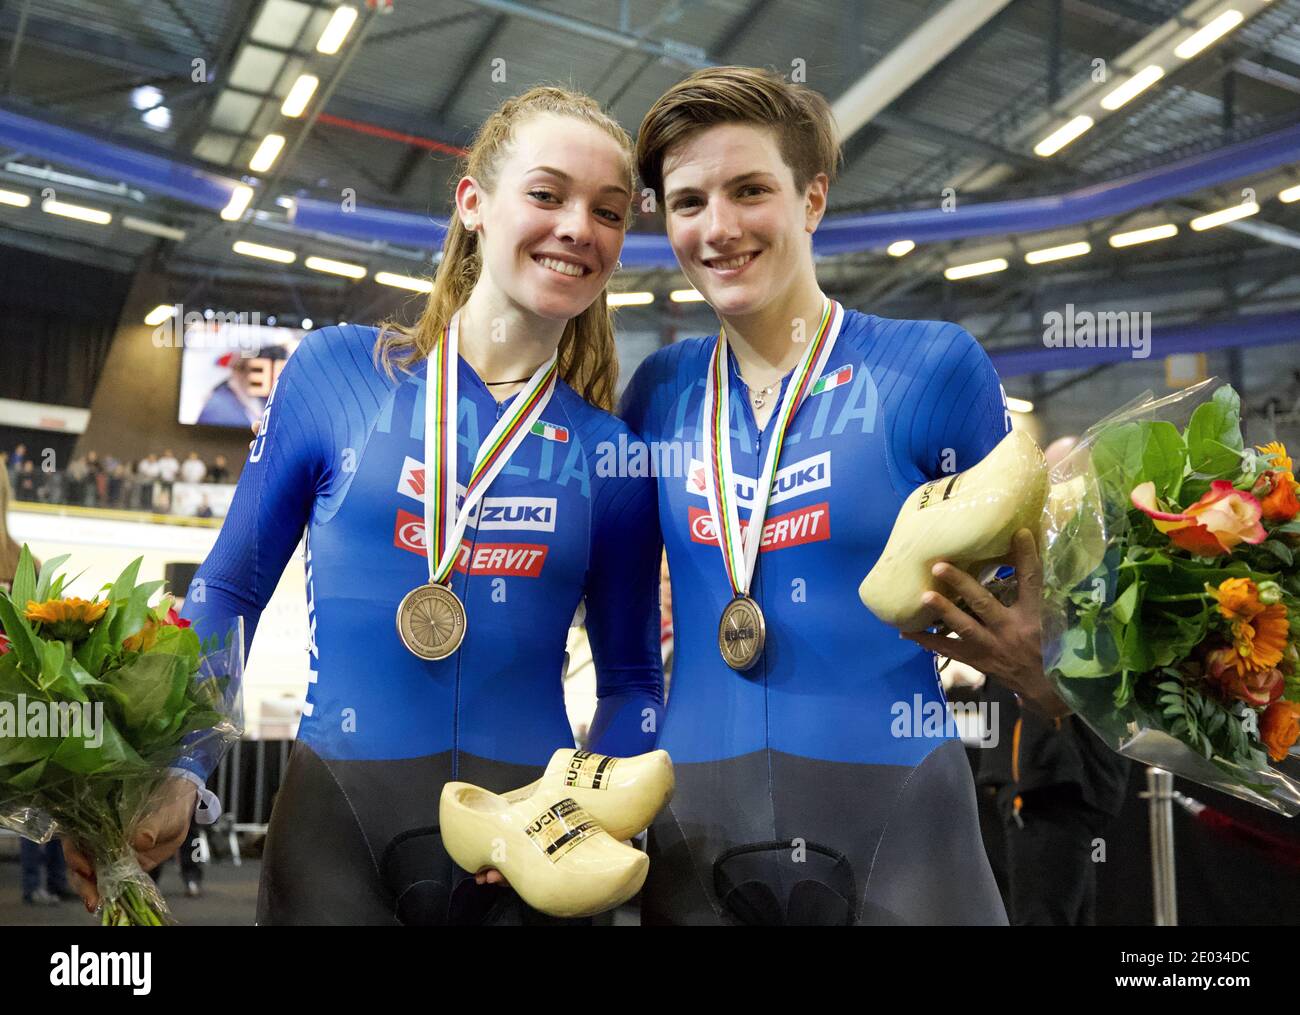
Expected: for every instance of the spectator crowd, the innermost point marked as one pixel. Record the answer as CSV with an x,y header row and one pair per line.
x,y
108,482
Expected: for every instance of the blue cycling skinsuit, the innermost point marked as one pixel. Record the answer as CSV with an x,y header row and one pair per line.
x,y
818,786
353,835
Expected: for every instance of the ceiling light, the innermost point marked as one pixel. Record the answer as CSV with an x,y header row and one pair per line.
x,y
299,95
1146,235
335,267
159,117
960,271
337,30
238,203
153,228
1211,33
1224,216
416,285
686,296
19,200
266,253
1019,405
1135,85
1062,136
145,97
159,314
97,216
629,299
267,152
1286,197
1058,253
900,248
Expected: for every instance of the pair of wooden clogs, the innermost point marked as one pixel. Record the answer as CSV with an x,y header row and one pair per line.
x,y
557,840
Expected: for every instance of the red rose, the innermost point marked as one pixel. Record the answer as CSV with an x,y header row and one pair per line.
x,y
1255,689
4,644
175,619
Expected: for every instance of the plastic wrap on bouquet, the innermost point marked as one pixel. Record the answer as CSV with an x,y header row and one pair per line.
x,y
219,686
1172,593
100,702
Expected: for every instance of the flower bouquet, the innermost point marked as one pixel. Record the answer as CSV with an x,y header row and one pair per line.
x,y
98,700
1171,564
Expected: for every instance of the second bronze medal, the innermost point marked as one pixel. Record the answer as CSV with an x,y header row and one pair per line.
x,y
741,633
431,621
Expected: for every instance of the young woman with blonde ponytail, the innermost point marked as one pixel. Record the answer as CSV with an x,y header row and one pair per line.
x,y
438,624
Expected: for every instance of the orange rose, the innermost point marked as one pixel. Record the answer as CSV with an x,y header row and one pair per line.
x,y
1277,496
1280,728
1255,689
1215,524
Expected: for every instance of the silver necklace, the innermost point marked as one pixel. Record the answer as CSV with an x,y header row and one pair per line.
x,y
760,397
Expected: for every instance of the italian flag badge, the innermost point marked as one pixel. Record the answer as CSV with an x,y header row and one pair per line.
x,y
551,432
841,376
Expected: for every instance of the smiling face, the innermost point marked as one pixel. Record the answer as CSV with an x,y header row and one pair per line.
x,y
738,224
551,228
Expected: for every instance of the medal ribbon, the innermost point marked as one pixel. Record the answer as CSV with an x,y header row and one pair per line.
x,y
739,553
443,524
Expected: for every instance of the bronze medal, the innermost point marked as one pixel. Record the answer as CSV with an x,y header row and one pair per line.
x,y
431,618
431,621
741,633
743,630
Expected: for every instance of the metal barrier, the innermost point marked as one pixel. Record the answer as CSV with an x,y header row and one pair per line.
x,y
230,783
1160,808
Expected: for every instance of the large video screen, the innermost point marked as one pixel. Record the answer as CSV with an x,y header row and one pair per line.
x,y
228,369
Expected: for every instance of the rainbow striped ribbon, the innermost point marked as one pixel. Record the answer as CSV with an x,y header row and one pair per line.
x,y
739,553
444,525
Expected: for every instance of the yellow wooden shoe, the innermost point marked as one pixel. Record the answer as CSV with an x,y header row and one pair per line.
x,y
551,851
622,794
967,519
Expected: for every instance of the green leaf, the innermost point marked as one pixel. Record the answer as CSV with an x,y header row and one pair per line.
x,y
1280,550
46,576
1214,441
200,719
51,664
94,650
1164,459
1117,456
23,640
1127,603
126,580
24,584
28,777
112,754
150,683
15,750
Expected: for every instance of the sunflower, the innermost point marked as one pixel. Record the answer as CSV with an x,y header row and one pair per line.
x,y
66,619
1277,451
1260,640
1238,598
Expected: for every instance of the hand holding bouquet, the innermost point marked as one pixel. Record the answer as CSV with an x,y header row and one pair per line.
x,y
98,701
